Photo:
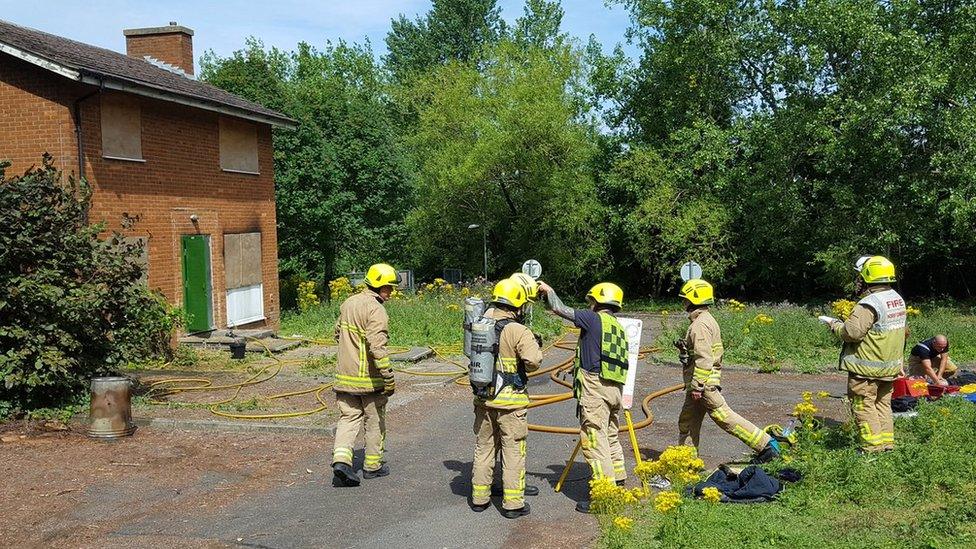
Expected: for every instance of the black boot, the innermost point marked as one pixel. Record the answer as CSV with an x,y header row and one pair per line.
x,y
530,490
381,472
516,513
583,506
479,508
345,475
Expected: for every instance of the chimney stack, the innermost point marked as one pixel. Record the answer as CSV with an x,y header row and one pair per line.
x,y
172,44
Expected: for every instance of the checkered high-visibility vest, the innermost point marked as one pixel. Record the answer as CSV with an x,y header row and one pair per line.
x,y
613,350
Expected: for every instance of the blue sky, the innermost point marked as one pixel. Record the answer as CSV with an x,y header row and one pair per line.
x,y
223,25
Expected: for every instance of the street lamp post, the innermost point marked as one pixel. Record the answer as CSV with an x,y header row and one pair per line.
x,y
484,242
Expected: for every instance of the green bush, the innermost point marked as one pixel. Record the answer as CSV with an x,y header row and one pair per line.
x,y
72,305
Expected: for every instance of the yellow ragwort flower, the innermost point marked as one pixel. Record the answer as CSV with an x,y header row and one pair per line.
x,y
624,523
804,410
666,501
842,308
711,494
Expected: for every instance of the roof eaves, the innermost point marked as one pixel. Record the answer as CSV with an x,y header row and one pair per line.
x,y
40,61
110,81
136,87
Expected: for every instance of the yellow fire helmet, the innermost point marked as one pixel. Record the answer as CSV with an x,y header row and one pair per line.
x,y
530,285
380,275
510,292
698,292
875,269
606,293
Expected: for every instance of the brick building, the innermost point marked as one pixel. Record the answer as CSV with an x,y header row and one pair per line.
x,y
189,163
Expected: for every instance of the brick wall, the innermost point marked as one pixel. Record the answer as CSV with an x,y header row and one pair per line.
x,y
35,116
174,48
180,177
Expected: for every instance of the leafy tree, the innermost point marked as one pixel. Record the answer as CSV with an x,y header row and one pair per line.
x,y
72,306
453,30
836,120
504,147
342,187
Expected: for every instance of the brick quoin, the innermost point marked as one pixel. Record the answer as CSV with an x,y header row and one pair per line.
x,y
181,176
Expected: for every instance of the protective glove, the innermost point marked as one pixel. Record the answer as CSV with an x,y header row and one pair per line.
x,y
538,339
389,388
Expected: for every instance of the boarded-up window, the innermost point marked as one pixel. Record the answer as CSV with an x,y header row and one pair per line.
x,y
121,126
242,265
238,146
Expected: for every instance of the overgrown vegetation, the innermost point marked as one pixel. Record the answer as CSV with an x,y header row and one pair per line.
x,y
919,495
432,317
771,338
72,305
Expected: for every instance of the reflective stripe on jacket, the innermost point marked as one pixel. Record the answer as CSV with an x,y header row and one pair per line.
x,y
518,351
705,350
874,335
361,332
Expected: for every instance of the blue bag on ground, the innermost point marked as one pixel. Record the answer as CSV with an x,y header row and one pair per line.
x,y
752,485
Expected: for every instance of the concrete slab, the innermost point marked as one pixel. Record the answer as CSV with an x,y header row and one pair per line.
x,y
414,354
273,345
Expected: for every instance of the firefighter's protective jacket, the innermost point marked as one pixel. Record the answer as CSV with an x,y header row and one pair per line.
x,y
362,332
704,342
874,335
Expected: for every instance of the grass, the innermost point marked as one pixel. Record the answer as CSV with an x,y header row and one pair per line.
x,y
795,340
414,321
919,495
318,366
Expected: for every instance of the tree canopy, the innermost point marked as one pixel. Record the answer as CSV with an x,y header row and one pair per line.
x,y
773,142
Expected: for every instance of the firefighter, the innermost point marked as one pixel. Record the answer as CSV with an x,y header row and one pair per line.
x,y
872,353
500,415
364,376
701,353
600,371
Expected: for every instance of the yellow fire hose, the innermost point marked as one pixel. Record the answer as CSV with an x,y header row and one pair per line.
x,y
174,386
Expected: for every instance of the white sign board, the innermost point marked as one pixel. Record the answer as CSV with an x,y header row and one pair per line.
x,y
633,328
690,270
532,268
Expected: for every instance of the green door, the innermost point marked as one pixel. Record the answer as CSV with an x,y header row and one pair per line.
x,y
196,283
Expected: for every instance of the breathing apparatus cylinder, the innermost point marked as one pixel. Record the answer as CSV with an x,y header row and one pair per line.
x,y
483,349
474,307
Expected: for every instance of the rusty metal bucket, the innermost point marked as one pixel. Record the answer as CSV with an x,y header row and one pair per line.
x,y
110,415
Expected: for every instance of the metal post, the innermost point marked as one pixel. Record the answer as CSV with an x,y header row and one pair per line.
x,y
484,234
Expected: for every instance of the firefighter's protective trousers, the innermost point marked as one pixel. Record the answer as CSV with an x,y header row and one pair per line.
x,y
599,409
871,406
713,403
509,427
358,413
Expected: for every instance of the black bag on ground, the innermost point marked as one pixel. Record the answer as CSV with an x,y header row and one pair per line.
x,y
903,404
752,485
962,377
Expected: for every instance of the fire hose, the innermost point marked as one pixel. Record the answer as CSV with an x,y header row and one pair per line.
x,y
174,386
